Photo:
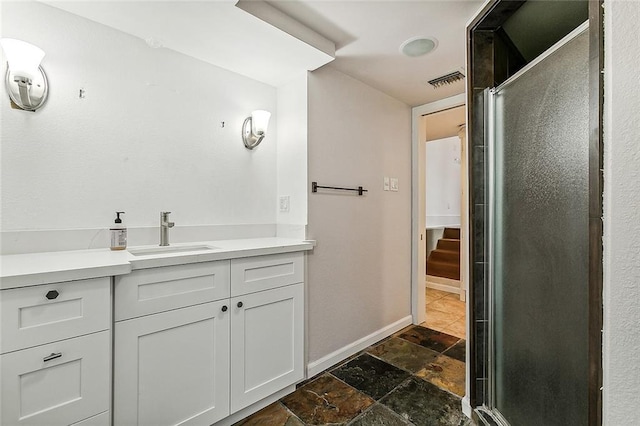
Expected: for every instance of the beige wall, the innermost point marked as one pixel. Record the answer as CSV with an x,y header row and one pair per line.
x,y
359,274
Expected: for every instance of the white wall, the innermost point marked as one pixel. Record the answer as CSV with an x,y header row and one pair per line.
x,y
146,138
443,190
621,372
292,157
359,274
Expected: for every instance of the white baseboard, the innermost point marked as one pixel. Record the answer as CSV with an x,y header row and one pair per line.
x,y
443,284
345,352
466,407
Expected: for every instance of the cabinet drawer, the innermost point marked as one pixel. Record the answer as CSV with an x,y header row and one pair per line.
x,y
56,384
259,273
102,419
41,314
148,291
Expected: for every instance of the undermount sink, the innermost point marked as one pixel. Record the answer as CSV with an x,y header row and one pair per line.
x,y
149,251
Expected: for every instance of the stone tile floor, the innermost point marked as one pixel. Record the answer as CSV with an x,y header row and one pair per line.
x,y
415,377
445,313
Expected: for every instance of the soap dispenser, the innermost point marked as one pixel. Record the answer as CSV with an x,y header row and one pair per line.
x,y
118,234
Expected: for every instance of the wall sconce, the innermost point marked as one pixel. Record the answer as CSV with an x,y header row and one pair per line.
x,y
26,81
254,128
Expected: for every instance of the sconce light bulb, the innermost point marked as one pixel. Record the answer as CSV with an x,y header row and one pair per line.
x,y
23,58
260,122
26,81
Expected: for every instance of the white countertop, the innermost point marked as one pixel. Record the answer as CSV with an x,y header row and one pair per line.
x,y
21,270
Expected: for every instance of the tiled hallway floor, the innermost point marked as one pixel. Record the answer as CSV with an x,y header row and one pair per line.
x,y
415,377
445,313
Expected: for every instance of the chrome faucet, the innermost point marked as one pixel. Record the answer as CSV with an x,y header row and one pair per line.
x,y
164,228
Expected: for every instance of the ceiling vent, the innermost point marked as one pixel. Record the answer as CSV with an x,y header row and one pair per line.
x,y
446,79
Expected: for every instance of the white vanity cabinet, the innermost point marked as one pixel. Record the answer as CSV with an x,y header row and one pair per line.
x,y
267,326
172,368
55,354
185,360
267,331
171,358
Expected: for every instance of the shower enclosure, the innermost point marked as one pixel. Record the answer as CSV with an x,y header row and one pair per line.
x,y
537,238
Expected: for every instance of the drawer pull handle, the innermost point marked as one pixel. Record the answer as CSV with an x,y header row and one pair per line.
x,y
52,356
52,294
239,304
224,308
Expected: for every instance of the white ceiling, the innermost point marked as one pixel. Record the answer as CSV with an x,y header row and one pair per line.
x,y
367,36
216,32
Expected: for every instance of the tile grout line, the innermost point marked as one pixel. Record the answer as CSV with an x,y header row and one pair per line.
x,y
411,375
357,390
414,344
290,412
386,362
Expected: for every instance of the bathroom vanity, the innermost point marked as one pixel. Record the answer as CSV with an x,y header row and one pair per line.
x,y
183,337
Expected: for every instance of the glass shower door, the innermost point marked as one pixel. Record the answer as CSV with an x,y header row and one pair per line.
x,y
539,239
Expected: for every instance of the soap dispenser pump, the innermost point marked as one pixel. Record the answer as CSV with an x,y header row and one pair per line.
x,y
118,234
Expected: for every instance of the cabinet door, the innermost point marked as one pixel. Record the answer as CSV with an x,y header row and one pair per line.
x,y
172,368
56,384
267,338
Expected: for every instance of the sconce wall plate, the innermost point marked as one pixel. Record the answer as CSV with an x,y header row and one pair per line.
x,y
26,95
250,140
254,128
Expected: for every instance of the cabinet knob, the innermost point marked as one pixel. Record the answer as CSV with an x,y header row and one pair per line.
x,y
239,304
52,294
224,308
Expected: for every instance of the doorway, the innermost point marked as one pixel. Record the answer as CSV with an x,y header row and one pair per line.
x,y
445,292
419,235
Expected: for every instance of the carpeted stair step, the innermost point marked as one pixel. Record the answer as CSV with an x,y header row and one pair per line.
x,y
451,233
448,244
449,256
443,269
444,261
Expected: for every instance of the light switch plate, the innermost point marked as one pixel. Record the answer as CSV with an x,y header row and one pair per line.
x,y
386,183
284,204
394,184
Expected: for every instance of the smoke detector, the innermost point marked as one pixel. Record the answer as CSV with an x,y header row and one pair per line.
x,y
450,78
418,46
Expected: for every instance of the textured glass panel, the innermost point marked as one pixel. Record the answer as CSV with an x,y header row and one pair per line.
x,y
541,241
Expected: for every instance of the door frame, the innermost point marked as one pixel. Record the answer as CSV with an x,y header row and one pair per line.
x,y
418,219
418,210
487,20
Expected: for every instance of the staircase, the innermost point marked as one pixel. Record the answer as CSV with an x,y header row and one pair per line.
x,y
444,260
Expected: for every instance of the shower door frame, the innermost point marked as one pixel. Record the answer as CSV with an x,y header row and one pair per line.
x,y
489,19
490,140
